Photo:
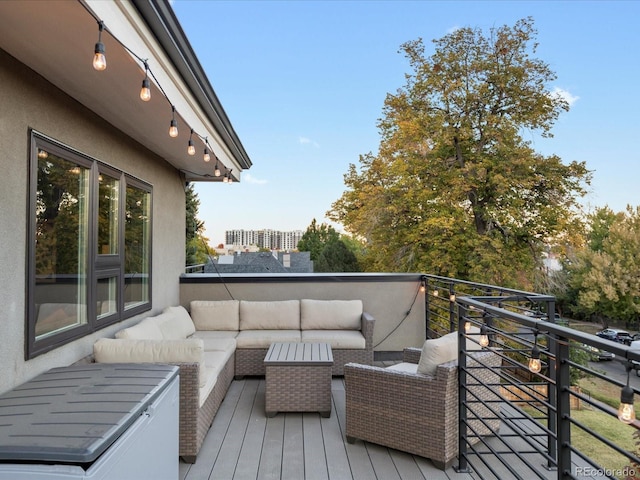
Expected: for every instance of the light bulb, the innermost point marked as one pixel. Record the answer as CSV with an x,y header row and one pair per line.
x,y
535,365
422,288
145,91
484,337
173,129
626,412
452,297
467,327
206,157
42,153
191,150
99,60
436,293
226,178
216,171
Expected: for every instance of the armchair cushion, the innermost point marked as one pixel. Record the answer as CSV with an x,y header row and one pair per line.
x,y
436,351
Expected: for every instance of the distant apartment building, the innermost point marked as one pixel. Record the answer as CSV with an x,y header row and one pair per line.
x,y
270,239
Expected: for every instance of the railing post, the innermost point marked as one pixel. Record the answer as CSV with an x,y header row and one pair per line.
x,y
426,307
463,464
563,399
552,388
452,308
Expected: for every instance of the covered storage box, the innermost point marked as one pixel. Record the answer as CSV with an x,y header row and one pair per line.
x,y
95,421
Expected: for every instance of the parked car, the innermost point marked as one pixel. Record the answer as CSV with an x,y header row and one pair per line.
x,y
635,337
615,335
597,355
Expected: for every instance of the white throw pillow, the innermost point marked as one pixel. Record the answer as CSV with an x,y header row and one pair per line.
x,y
436,351
216,314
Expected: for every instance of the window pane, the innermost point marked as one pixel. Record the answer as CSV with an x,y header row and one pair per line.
x,y
137,247
61,244
107,296
108,190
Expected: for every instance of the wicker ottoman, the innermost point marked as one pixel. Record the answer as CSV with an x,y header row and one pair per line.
x,y
298,378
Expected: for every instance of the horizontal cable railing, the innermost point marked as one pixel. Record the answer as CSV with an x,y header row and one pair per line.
x,y
549,425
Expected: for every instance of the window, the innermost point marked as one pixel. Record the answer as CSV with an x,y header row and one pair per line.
x,y
89,246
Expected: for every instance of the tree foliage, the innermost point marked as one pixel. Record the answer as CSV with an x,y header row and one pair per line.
x,y
605,276
455,189
328,251
196,244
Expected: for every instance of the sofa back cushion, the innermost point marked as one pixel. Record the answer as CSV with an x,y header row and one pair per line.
x,y
190,350
330,314
147,329
216,315
179,325
277,315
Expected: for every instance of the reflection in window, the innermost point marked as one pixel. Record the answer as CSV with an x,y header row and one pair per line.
x,y
61,241
106,296
108,194
137,246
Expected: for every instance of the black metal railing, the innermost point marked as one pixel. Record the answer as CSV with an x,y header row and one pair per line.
x,y
540,432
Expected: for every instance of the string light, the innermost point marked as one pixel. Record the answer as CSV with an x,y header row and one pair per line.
x,y
206,157
99,60
626,411
145,91
173,126
484,336
535,365
191,150
100,63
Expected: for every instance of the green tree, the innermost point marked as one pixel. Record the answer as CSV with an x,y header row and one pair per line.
x,y
196,244
316,237
328,250
455,190
606,274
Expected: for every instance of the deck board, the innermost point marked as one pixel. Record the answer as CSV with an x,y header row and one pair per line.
x,y
244,444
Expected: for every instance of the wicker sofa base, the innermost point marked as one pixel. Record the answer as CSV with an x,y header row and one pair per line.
x,y
250,361
193,428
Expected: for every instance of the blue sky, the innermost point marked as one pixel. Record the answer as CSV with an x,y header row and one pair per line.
x,y
303,83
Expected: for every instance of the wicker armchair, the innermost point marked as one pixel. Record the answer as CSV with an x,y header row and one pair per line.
x,y
415,413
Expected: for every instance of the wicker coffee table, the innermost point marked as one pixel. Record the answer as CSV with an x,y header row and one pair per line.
x,y
298,378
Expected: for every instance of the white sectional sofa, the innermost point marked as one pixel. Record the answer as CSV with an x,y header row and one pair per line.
x,y
220,339
256,325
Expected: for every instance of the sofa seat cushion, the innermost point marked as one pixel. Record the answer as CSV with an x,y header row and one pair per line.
x,y
264,338
210,375
147,329
341,339
216,340
330,314
276,315
216,314
405,367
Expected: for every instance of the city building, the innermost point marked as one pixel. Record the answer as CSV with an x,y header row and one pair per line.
x,y
268,239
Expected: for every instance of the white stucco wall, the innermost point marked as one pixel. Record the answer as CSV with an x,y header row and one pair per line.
x,y
29,101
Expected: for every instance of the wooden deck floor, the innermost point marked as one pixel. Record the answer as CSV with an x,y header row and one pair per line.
x,y
244,444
